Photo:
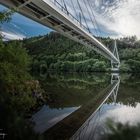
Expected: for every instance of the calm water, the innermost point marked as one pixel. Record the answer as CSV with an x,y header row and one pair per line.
x,y
78,107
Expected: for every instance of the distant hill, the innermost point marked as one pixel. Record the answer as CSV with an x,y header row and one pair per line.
x,y
58,53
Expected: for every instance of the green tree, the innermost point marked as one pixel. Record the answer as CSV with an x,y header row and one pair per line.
x,y
5,16
15,79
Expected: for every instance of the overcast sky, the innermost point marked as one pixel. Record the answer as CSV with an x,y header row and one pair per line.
x,y
115,18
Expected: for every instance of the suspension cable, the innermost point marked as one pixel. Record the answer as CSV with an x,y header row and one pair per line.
x,y
62,2
83,15
91,8
65,6
90,16
74,8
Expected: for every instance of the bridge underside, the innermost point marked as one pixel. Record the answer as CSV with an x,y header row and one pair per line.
x,y
57,18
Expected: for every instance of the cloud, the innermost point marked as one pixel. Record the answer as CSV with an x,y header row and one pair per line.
x,y
115,18
20,26
120,16
110,17
11,36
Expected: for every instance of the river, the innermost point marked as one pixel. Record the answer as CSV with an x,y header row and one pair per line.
x,y
79,107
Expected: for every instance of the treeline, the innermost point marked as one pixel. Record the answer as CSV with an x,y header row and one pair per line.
x,y
54,52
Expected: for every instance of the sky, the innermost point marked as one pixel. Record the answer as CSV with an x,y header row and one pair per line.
x,y
21,27
114,18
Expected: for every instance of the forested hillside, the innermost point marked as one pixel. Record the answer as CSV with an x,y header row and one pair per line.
x,y
55,52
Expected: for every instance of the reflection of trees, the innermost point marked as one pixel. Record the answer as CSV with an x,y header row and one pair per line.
x,y
67,90
13,122
119,131
130,79
128,96
129,91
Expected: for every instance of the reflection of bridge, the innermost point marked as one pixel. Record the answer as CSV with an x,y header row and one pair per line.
x,y
87,131
80,118
52,14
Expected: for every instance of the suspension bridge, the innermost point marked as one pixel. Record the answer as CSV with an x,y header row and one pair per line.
x,y
55,15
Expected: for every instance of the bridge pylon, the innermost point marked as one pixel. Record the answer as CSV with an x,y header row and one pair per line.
x,y
115,65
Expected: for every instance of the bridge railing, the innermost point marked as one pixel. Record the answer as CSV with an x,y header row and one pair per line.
x,y
62,8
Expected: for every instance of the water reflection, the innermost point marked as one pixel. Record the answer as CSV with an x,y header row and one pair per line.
x,y
77,107
89,121
46,117
93,98
93,128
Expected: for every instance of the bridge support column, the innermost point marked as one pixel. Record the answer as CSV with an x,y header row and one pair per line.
x,y
115,77
115,65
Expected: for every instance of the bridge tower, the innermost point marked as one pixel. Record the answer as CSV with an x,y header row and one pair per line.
x,y
115,65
